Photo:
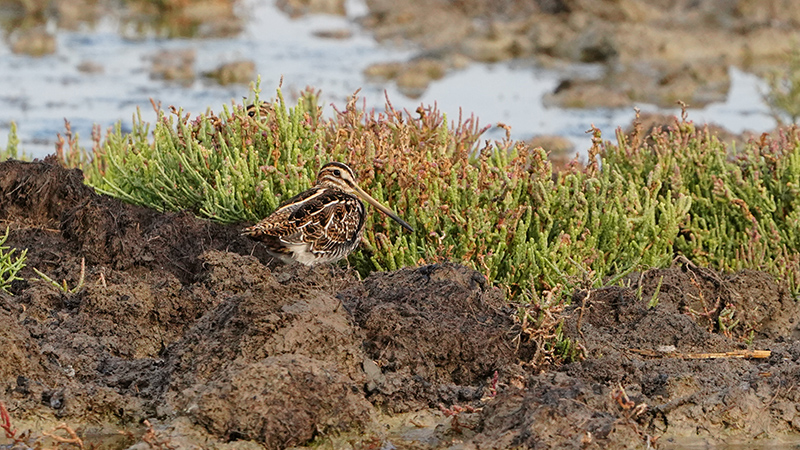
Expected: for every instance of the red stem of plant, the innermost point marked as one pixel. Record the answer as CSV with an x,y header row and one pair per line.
x,y
5,422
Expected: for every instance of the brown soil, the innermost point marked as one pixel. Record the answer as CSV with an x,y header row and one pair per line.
x,y
186,325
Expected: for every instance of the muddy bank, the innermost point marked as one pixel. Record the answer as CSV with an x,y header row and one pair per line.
x,y
186,325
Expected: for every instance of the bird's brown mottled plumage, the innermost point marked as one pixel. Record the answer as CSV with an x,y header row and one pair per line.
x,y
322,224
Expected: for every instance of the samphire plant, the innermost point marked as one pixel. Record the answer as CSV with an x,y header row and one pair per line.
x,y
498,207
12,151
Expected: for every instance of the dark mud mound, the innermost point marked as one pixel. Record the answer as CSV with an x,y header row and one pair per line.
x,y
166,318
104,231
38,194
683,309
278,360
657,371
435,332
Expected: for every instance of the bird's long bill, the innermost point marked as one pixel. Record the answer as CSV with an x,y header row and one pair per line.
x,y
382,208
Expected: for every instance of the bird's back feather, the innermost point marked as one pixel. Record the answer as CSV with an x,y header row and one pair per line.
x,y
322,224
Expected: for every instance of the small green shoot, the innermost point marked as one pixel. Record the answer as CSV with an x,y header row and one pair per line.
x,y
654,299
63,287
565,349
9,265
750,336
726,321
12,150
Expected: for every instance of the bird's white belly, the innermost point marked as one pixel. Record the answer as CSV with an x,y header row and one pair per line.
x,y
302,254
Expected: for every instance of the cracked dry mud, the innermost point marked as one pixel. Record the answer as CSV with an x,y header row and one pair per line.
x,y
185,324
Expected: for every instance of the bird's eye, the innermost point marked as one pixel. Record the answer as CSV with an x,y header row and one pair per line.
x,y
337,172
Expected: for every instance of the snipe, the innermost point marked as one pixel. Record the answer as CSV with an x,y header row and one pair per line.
x,y
323,224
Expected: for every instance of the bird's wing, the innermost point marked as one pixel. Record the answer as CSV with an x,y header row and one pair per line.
x,y
342,222
322,217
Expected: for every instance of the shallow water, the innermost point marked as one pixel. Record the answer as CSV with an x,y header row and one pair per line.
x,y
39,93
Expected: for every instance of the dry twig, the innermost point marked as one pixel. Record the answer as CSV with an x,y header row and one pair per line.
x,y
73,438
754,354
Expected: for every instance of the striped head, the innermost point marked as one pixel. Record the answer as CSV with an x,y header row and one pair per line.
x,y
338,176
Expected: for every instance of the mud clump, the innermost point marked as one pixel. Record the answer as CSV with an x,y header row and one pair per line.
x,y
280,401
441,330
179,331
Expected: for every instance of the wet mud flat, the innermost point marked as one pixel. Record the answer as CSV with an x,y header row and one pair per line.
x,y
183,334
